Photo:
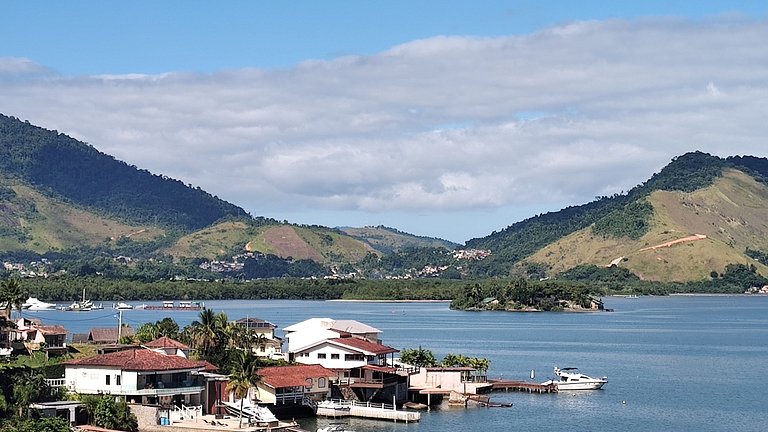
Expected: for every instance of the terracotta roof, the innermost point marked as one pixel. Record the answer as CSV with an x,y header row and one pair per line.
x,y
51,329
108,335
138,360
207,367
376,368
364,345
293,376
165,342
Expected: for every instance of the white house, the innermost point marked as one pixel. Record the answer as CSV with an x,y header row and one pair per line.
x,y
314,330
140,375
343,353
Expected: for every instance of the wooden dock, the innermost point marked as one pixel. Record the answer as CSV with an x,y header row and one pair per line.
x,y
522,386
368,410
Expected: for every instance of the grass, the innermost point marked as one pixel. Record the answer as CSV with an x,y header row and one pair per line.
x,y
731,213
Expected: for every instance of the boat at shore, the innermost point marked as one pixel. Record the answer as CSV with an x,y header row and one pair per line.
x,y
122,306
34,304
571,379
83,305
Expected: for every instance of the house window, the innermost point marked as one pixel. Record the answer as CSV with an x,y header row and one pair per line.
x,y
321,382
321,355
263,348
117,379
353,357
334,356
304,354
108,377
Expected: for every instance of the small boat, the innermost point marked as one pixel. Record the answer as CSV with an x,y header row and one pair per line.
x,y
123,306
572,379
34,304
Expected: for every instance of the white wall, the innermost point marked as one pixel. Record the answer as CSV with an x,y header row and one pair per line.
x,y
329,362
93,380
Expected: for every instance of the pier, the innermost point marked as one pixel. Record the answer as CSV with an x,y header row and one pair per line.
x,y
341,408
522,386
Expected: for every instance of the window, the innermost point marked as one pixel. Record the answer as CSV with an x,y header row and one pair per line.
x,y
108,377
117,379
334,356
321,382
321,355
353,357
304,354
263,348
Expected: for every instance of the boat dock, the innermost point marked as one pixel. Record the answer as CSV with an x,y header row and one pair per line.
x,y
341,408
522,386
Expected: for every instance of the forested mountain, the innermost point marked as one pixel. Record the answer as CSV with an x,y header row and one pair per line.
x,y
695,194
76,172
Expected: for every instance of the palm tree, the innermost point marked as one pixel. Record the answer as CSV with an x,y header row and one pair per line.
x,y
244,376
12,296
204,333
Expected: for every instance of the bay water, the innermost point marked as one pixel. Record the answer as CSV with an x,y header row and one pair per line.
x,y
677,363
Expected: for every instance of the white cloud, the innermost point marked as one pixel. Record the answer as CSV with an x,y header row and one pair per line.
x,y
440,124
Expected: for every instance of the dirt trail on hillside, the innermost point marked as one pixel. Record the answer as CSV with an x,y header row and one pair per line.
x,y
694,237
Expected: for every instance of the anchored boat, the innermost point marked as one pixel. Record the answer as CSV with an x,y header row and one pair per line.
x,y
572,379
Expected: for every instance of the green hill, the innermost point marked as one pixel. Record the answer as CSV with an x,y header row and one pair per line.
x,y
67,169
650,214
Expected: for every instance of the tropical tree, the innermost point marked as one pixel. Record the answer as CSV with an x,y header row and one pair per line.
x,y
244,377
109,413
12,296
205,333
418,357
28,387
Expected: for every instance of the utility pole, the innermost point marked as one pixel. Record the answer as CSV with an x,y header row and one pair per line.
x,y
119,324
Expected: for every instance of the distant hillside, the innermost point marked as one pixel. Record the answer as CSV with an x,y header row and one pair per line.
x,y
650,214
320,244
387,240
72,171
32,221
691,234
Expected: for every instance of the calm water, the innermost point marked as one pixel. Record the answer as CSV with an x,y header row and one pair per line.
x,y
674,363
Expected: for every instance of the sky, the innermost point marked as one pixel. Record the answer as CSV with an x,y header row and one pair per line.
x,y
450,119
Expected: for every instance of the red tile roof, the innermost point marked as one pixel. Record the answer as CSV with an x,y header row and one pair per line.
x,y
51,329
364,345
139,360
165,342
293,376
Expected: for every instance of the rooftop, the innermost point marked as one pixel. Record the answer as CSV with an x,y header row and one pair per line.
x,y
139,360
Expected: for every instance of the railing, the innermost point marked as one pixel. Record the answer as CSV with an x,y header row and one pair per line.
x,y
56,382
185,413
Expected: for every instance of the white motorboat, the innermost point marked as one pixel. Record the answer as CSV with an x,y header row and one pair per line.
x,y
572,379
123,306
34,304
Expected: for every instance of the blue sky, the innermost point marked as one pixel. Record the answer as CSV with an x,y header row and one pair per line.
x,y
442,118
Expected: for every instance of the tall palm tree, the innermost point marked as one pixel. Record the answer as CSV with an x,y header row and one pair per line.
x,y
205,334
12,296
244,377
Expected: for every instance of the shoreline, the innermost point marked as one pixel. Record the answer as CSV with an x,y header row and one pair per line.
x,y
389,301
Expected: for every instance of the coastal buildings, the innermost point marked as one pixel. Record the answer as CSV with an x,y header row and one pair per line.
x,y
264,342
141,375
